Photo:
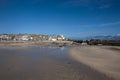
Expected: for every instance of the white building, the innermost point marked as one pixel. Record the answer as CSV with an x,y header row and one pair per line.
x,y
5,37
51,38
25,38
60,37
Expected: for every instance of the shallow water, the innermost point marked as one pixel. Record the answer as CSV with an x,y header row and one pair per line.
x,y
48,63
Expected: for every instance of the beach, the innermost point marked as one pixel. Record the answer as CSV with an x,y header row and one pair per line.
x,y
104,59
44,63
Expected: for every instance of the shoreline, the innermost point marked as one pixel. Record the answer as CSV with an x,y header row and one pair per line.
x,y
44,64
95,57
101,58
29,44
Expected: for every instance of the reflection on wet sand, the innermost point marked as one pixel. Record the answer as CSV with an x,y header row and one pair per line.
x,y
43,64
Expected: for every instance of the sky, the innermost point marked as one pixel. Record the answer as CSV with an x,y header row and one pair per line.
x,y
71,18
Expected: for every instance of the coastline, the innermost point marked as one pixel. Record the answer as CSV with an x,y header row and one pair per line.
x,y
44,64
95,57
104,59
32,44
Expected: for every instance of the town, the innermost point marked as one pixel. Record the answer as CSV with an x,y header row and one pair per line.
x,y
31,37
13,38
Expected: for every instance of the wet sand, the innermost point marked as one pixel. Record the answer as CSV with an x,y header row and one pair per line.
x,y
44,64
105,59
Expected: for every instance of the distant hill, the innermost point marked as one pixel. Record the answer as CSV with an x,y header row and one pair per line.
x,y
109,37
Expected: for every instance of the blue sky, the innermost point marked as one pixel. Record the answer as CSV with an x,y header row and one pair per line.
x,y
72,18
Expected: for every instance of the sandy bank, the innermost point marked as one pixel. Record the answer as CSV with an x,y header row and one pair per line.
x,y
102,58
26,44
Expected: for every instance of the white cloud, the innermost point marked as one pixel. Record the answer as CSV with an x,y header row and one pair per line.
x,y
100,4
110,24
104,6
102,25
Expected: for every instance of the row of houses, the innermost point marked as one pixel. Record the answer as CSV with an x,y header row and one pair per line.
x,y
30,37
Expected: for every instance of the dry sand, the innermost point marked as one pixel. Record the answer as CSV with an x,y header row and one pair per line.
x,y
105,59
